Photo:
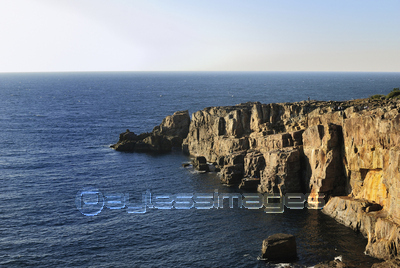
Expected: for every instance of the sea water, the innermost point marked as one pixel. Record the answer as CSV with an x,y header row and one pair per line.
x,y
55,132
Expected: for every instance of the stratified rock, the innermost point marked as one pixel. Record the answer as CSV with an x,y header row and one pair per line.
x,y
232,171
219,131
282,173
253,164
279,247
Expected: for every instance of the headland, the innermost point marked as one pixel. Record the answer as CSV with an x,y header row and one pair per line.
x,y
347,151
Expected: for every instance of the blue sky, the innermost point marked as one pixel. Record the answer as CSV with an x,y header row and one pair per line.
x,y
151,35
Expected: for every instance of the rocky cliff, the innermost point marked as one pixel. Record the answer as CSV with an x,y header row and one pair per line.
x,y
346,151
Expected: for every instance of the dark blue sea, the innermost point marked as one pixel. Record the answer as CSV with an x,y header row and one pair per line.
x,y
55,133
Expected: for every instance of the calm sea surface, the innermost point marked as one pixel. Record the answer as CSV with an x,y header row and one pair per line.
x,y
55,132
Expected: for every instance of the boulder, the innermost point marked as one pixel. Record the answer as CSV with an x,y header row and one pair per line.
x,y
200,163
279,247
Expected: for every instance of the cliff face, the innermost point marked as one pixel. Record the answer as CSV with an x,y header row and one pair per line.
x,y
296,149
346,149
349,152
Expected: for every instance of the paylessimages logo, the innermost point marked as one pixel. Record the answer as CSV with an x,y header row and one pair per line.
x,y
91,202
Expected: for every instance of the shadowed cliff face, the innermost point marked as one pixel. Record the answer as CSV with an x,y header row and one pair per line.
x,y
333,148
299,150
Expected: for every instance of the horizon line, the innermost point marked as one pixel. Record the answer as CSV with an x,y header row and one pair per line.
x,y
161,71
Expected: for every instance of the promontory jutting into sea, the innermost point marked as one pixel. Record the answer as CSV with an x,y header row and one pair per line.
x,y
212,154
346,151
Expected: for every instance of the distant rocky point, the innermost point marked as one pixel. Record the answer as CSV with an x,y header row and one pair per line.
x,y
348,151
170,133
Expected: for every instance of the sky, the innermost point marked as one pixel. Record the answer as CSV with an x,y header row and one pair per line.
x,y
201,35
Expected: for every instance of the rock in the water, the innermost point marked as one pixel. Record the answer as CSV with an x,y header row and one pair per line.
x,y
333,264
200,163
279,247
170,133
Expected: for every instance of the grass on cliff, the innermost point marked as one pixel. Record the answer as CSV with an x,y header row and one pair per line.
x,y
394,94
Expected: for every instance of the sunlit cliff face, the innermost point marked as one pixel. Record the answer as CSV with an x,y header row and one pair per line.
x,y
371,142
373,188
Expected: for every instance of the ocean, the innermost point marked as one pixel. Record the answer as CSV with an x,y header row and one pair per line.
x,y
56,129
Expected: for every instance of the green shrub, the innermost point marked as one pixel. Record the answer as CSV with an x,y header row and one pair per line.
x,y
395,92
377,97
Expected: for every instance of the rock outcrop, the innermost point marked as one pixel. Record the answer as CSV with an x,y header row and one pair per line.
x,y
370,219
348,152
269,140
279,247
349,149
170,133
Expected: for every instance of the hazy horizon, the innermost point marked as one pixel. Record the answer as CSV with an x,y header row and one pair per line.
x,y
188,36
44,72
